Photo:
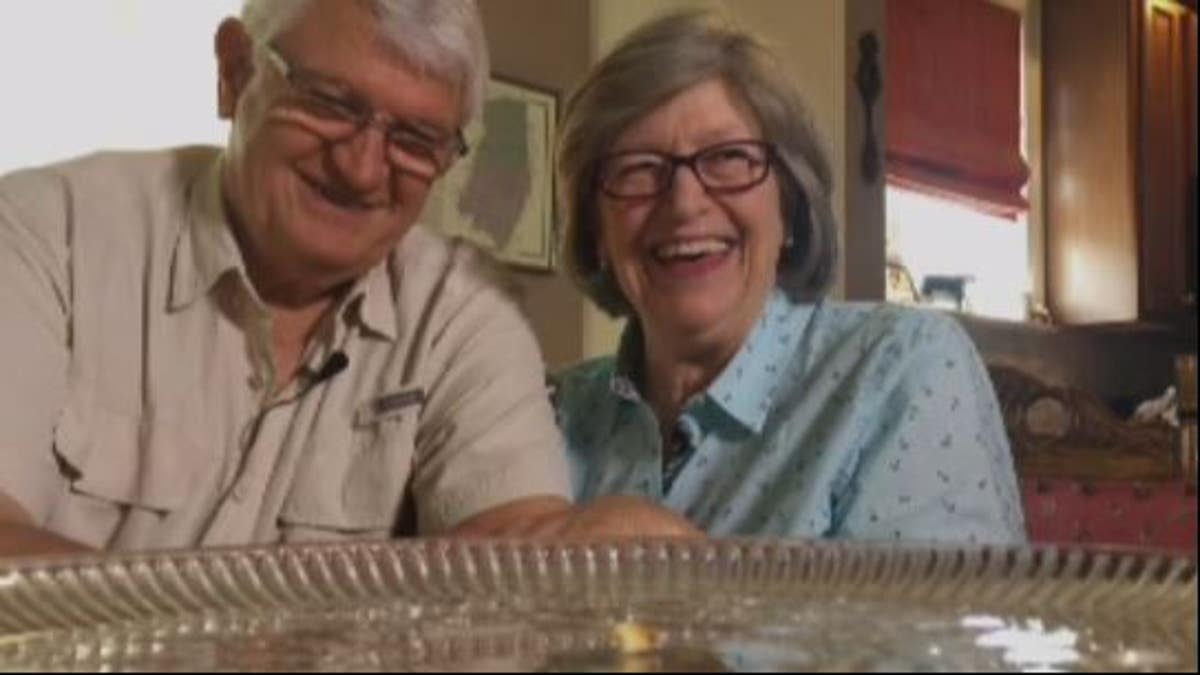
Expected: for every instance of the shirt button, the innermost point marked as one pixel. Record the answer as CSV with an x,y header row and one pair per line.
x,y
239,493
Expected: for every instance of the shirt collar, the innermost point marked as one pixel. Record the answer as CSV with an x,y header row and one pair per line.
x,y
748,386
375,293
627,371
206,250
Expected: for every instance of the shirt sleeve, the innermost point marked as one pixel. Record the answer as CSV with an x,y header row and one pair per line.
x,y
34,300
487,435
936,465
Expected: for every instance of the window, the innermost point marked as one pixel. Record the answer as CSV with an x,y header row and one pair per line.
x,y
957,257
956,172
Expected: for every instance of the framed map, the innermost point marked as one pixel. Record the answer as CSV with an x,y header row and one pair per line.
x,y
501,195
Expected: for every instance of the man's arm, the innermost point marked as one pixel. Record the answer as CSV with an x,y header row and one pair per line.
x,y
490,460
18,536
34,288
556,518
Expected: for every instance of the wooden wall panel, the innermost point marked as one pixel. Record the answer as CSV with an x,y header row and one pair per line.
x,y
1089,134
1168,159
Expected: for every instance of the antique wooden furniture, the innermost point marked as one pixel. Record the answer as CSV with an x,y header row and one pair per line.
x,y
1119,111
1089,476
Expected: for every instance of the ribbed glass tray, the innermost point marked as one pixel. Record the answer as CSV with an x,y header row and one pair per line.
x,y
642,605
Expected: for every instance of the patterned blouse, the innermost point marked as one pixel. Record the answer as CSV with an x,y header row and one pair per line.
x,y
833,420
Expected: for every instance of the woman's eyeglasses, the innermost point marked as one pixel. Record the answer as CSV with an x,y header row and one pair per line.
x,y
724,168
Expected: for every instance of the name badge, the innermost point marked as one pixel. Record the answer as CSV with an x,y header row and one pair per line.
x,y
388,406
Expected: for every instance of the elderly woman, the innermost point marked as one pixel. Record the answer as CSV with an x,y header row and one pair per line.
x,y
697,202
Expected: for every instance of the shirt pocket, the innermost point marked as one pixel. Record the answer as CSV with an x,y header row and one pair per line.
x,y
354,479
113,465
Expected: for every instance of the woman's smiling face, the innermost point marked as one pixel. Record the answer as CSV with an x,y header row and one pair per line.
x,y
694,263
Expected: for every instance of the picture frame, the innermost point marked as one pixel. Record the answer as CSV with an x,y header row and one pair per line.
x,y
500,196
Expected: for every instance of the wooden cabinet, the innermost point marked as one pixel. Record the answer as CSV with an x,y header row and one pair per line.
x,y
1119,109
1167,69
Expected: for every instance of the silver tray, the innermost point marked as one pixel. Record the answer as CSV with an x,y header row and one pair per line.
x,y
716,605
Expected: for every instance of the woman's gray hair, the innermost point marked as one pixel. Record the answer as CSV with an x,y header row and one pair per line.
x,y
649,67
441,37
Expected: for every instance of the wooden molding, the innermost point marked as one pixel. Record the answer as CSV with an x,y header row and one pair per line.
x,y
1064,432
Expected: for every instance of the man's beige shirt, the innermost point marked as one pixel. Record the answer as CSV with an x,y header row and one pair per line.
x,y
135,376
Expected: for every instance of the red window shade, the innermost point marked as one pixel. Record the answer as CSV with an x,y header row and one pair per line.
x,y
953,97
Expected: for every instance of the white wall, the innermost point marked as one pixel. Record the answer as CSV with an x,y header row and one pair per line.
x,y
82,75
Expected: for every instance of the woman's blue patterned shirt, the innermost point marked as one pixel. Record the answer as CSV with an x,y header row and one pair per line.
x,y
833,420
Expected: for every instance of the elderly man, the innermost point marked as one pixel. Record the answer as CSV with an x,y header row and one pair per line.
x,y
256,345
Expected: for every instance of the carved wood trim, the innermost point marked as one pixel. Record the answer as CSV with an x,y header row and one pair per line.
x,y
1065,432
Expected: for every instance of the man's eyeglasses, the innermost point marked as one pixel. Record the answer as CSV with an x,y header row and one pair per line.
x,y
335,116
724,168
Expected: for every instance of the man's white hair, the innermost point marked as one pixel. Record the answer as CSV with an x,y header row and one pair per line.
x,y
443,38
